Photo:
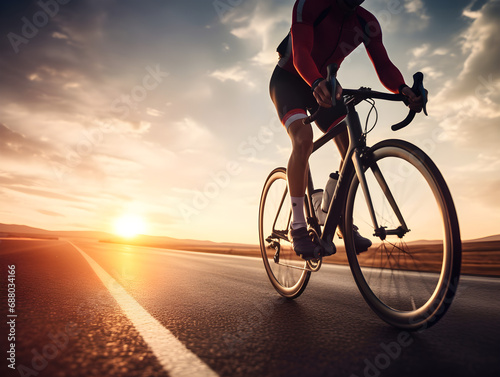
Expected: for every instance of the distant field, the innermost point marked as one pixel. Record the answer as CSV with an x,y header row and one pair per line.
x,y
481,258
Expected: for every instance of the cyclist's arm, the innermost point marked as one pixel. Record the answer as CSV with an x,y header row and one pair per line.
x,y
305,14
302,45
388,73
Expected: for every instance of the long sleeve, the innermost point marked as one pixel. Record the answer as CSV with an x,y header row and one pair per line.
x,y
389,75
302,44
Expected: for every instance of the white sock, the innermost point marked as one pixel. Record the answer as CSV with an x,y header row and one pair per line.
x,y
298,218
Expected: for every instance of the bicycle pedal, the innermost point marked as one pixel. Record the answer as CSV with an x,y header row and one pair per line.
x,y
327,248
314,265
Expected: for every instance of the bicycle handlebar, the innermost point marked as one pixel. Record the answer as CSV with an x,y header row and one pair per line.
x,y
358,95
419,90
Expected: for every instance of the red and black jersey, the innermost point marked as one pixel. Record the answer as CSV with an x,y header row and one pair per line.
x,y
322,34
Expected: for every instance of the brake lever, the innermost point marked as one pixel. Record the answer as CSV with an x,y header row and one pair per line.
x,y
419,90
331,81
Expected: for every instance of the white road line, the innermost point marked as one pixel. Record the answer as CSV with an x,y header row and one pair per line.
x,y
175,358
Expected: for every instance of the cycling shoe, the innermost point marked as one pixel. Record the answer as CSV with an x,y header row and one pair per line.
x,y
360,243
303,245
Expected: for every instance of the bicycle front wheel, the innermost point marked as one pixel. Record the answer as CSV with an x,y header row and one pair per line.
x,y
286,271
410,273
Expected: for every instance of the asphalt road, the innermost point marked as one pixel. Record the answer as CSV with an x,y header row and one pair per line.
x,y
113,310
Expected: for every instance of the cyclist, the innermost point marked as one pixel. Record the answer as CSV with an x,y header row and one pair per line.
x,y
323,32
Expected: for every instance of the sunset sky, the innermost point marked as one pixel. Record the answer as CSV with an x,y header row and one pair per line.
x,y
160,110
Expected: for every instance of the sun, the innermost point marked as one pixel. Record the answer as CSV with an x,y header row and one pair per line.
x,y
129,226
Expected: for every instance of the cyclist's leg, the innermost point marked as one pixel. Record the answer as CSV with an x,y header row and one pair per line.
x,y
302,144
292,96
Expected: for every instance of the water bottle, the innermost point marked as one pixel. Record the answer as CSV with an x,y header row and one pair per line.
x,y
329,190
317,199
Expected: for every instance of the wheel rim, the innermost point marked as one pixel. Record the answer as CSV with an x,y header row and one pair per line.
x,y
287,277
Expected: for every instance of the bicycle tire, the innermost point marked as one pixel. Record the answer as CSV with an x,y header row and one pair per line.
x,y
290,277
408,280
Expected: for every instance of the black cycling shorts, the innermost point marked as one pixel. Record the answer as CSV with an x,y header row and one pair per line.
x,y
293,97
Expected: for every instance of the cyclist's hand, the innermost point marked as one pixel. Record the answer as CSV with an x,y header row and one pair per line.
x,y
416,103
323,96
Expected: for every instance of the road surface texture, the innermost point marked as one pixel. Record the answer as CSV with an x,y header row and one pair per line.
x,y
85,308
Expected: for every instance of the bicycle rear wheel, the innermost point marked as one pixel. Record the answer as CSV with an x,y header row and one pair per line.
x,y
410,273
286,271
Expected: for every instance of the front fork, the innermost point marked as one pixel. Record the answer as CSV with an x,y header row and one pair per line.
x,y
358,167
362,159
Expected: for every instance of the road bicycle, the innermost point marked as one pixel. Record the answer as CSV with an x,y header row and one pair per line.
x,y
393,194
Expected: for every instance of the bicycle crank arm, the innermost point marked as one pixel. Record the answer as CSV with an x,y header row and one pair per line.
x,y
297,267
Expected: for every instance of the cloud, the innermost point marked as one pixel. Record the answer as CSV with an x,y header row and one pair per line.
x,y
154,112
417,7
49,213
46,194
59,35
484,163
233,74
420,51
192,132
469,104
481,45
263,27
400,16
16,145
483,185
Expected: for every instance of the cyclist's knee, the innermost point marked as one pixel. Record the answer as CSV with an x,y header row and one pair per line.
x,y
303,147
302,138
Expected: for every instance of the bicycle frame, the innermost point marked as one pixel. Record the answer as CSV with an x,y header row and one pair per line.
x,y
353,164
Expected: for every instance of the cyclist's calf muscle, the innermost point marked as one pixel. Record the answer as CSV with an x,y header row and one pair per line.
x,y
302,145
